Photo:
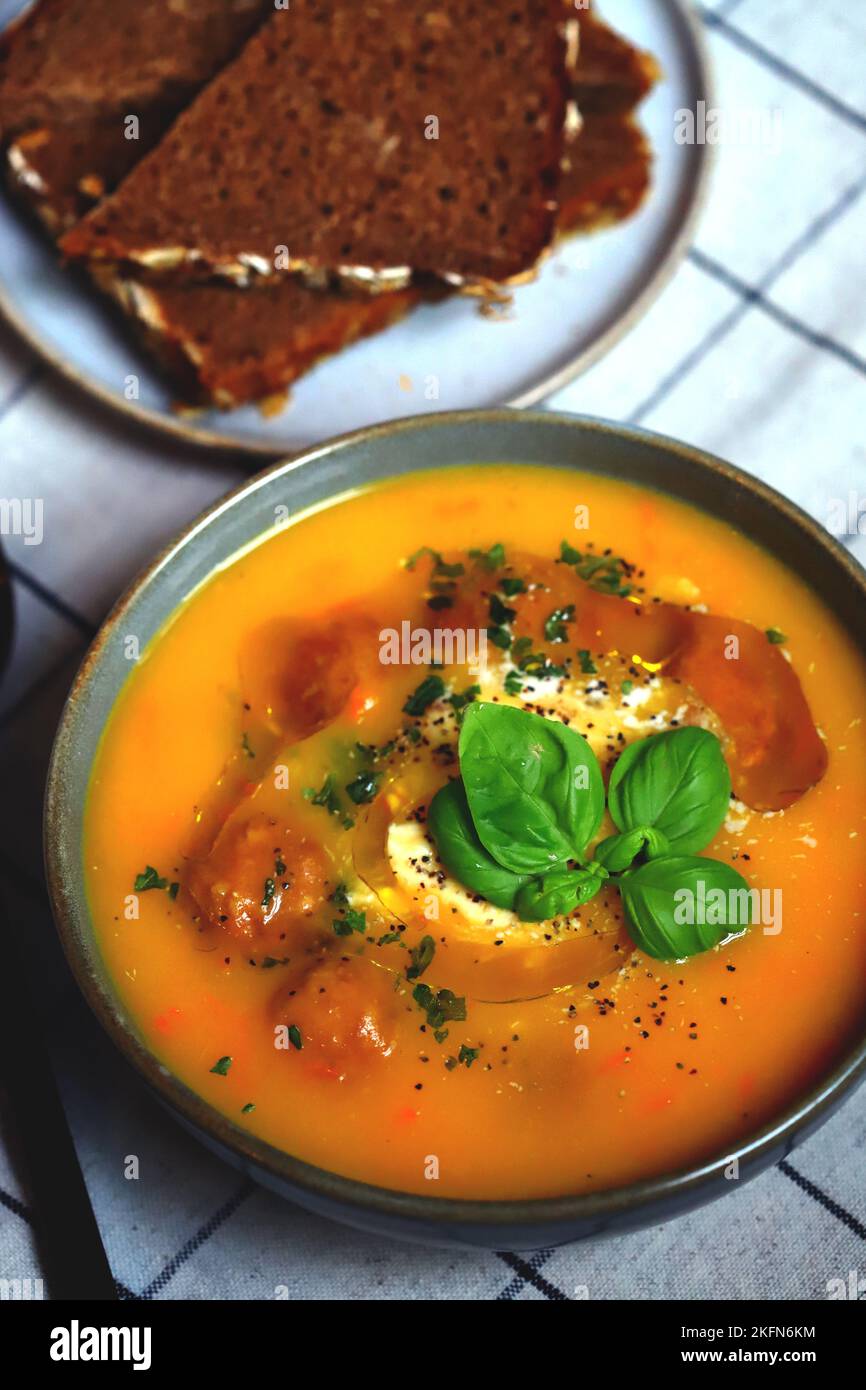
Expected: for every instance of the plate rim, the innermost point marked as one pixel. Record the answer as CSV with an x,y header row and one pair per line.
x,y
176,428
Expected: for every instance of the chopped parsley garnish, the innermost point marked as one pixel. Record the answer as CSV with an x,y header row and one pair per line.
x,y
340,895
442,578
151,878
467,1055
270,890
295,1037
555,629
279,867
221,1067
389,938
511,587
513,683
245,744
603,572
375,752
500,612
627,687
534,663
500,637
421,956
270,962
432,688
458,702
443,1006
351,921
364,787
492,559
501,615
775,636
328,797
440,567
248,1108
587,665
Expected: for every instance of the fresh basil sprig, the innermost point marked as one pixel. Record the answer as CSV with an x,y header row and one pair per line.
x,y
516,827
533,785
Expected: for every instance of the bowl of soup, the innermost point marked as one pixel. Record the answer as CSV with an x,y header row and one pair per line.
x,y
461,828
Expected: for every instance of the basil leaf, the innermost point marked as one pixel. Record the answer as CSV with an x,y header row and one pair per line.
x,y
533,785
556,894
461,851
681,905
618,852
677,782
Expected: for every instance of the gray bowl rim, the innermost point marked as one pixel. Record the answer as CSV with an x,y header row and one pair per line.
x,y
687,1186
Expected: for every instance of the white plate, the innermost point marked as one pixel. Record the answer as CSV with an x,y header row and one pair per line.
x,y
589,292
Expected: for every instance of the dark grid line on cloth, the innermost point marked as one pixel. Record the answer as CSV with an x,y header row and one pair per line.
x,y
823,1199
52,600
202,1235
34,374
754,297
792,75
15,1206
527,1270
782,316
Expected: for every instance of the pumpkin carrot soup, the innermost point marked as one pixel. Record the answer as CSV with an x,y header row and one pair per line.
x,y
490,833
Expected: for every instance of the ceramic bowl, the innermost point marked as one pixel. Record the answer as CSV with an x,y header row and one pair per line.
x,y
488,438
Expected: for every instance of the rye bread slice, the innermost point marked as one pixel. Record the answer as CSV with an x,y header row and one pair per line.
x,y
362,142
73,71
221,347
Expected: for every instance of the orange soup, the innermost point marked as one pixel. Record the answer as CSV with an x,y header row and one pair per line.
x,y
490,833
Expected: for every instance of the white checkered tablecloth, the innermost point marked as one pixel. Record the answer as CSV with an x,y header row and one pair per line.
x,y
757,352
